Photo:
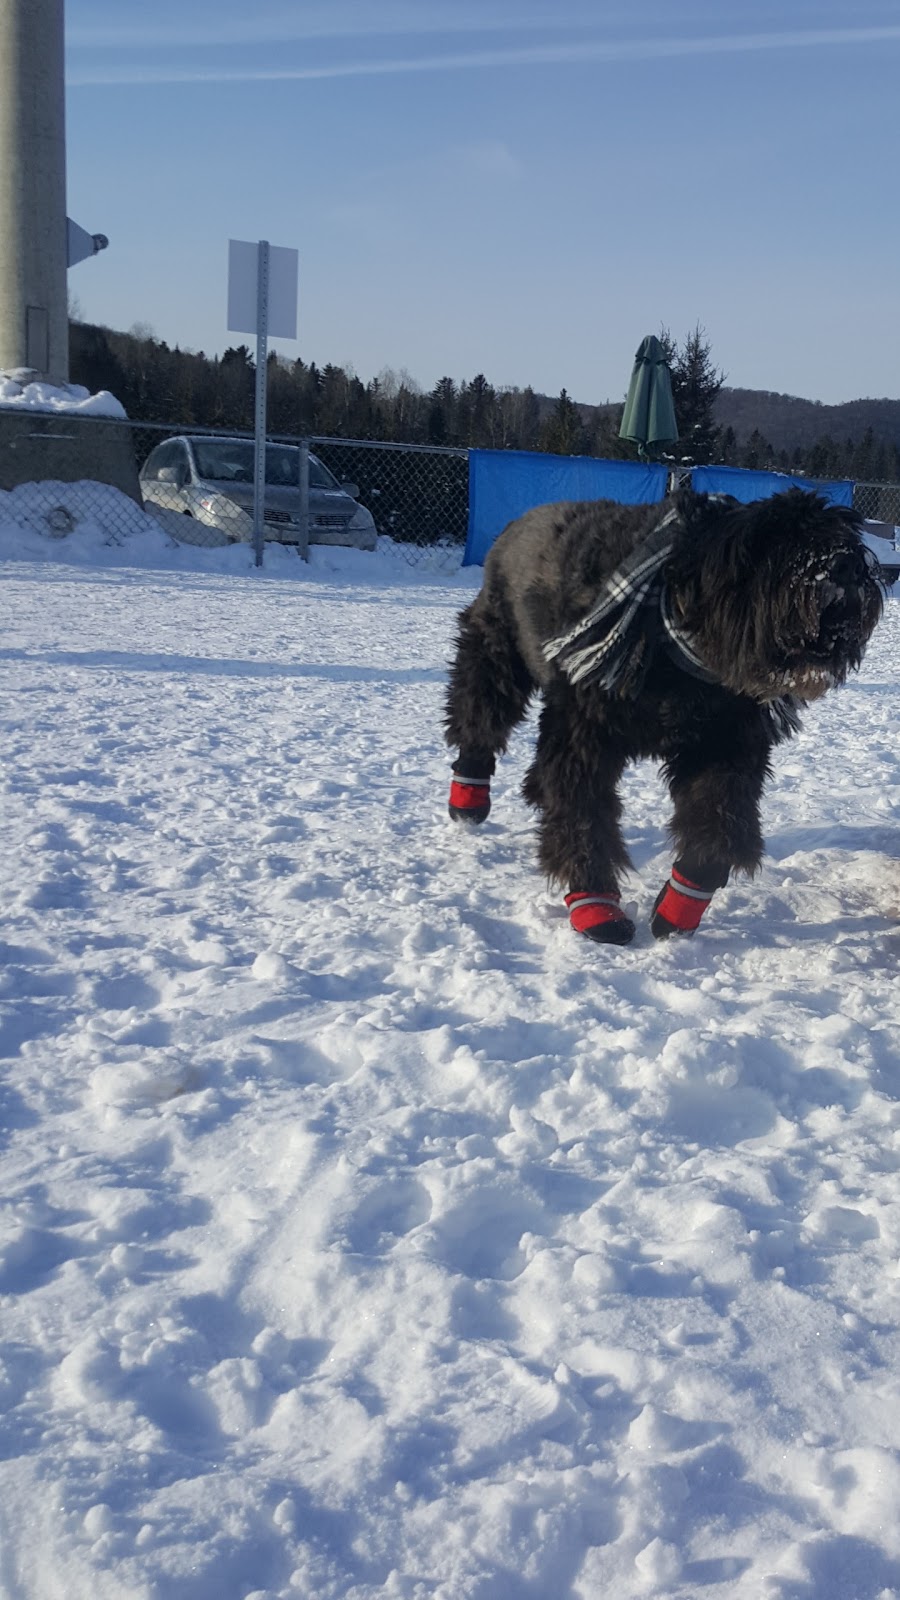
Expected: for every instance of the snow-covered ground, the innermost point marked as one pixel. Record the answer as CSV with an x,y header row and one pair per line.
x,y
365,1234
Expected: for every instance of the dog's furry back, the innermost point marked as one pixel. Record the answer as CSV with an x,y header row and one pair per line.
x,y
547,567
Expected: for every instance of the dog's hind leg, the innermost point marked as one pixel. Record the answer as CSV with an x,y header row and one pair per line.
x,y
573,784
487,695
716,827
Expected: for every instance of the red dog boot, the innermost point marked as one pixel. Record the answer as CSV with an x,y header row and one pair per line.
x,y
599,917
679,906
470,799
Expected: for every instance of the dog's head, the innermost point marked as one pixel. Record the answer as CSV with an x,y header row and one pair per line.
x,y
780,596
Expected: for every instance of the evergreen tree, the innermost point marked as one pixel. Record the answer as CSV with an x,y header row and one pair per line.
x,y
150,368
563,434
728,448
308,384
757,453
695,385
359,411
92,358
822,459
282,410
334,403
862,457
478,403
188,397
604,439
235,389
441,424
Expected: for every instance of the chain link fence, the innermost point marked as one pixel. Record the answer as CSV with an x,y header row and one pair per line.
x,y
198,484
878,502
418,495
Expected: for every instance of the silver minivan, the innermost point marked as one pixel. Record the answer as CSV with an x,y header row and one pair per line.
x,y
211,479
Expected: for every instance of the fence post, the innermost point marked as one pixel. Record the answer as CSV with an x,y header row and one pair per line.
x,y
303,546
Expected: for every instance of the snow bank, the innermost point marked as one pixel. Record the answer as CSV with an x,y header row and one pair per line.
x,y
18,388
91,523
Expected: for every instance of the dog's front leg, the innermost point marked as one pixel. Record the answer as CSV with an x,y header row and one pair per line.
x,y
487,695
717,792
573,784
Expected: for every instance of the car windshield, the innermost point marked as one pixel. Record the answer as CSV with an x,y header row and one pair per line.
x,y
231,461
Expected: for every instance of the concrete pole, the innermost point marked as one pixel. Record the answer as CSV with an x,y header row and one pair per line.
x,y
34,321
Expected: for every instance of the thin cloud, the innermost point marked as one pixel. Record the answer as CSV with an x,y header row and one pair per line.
x,y
283,25
575,52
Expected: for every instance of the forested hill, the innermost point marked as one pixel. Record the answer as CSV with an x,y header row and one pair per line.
x,y
740,427
789,423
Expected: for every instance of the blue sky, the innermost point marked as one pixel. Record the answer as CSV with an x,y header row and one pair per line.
x,y
522,188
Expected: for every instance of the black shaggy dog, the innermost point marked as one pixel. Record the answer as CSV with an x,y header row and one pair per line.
x,y
691,632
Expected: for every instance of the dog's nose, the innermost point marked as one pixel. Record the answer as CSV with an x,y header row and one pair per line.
x,y
848,570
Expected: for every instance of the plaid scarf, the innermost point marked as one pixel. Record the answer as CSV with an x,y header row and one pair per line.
x,y
614,645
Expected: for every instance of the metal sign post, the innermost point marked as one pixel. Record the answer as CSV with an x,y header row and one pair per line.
x,y
259,413
262,299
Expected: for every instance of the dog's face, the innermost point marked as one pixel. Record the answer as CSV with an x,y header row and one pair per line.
x,y
781,595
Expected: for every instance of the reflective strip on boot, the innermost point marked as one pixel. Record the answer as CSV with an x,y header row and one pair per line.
x,y
589,911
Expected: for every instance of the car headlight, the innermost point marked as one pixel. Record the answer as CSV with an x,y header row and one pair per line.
x,y
361,518
222,510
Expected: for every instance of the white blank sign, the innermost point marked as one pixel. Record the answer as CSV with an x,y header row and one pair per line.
x,y
243,260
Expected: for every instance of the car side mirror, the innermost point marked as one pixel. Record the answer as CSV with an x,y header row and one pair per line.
x,y
352,489
176,475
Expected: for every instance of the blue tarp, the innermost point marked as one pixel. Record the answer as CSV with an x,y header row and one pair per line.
x,y
505,483
746,485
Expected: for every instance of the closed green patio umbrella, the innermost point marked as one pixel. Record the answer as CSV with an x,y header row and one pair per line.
x,y
649,415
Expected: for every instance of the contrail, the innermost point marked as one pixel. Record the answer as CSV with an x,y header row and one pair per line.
x,y
577,52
